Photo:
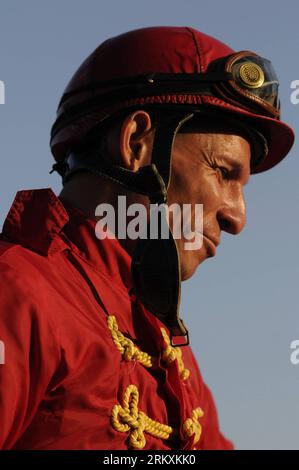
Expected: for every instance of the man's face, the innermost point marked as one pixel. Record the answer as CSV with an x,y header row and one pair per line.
x,y
209,169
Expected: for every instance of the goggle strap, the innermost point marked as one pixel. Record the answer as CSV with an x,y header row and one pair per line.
x,y
151,79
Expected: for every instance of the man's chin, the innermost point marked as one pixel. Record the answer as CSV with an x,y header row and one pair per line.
x,y
188,269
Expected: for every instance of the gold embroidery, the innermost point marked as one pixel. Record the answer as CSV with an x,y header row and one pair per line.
x,y
192,426
131,352
171,354
126,346
128,418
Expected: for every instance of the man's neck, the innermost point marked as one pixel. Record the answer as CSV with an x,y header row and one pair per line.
x,y
87,191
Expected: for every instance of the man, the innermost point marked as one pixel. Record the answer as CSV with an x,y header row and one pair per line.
x,y
97,356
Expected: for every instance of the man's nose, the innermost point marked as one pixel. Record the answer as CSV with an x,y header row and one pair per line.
x,y
231,216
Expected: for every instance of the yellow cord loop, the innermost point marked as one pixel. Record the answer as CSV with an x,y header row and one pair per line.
x,y
127,418
132,353
192,426
171,354
126,346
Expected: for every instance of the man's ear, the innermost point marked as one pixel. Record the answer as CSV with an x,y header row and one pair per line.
x,y
136,140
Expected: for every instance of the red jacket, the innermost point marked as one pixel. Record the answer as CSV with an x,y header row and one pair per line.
x,y
86,365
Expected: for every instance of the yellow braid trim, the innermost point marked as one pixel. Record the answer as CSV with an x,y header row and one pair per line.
x,y
127,418
171,354
192,427
126,346
132,353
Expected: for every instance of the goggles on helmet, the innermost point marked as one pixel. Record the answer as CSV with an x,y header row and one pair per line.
x,y
253,83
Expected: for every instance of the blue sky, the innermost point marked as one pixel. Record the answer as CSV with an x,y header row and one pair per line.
x,y
242,306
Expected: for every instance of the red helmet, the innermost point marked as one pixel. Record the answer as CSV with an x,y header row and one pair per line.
x,y
171,67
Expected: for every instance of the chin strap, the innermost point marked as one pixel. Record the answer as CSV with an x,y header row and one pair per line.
x,y
155,267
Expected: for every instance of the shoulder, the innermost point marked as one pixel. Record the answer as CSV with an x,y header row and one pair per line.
x,y
19,267
23,293
12,273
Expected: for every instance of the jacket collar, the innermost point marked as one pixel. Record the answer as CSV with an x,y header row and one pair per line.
x,y
44,223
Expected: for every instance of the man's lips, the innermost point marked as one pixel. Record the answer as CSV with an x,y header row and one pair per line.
x,y
215,241
212,245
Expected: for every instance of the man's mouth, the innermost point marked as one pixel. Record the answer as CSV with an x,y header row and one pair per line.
x,y
211,246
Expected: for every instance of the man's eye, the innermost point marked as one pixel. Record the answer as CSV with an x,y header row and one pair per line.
x,y
224,172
